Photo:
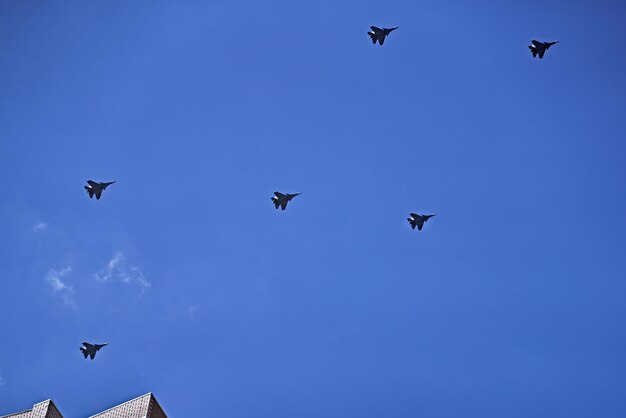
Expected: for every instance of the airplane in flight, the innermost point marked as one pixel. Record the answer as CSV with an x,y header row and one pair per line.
x,y
91,349
418,220
540,48
96,188
378,34
281,199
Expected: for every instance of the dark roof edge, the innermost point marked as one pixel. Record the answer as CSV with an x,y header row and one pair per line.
x,y
54,406
157,402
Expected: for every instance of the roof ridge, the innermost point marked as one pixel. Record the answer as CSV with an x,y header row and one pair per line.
x,y
116,406
31,409
16,413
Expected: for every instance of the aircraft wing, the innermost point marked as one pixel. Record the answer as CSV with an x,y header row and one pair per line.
x,y
541,52
93,183
85,352
98,193
92,354
279,195
536,43
283,205
88,346
381,40
375,29
420,224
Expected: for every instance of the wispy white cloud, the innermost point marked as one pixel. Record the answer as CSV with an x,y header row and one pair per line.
x,y
40,227
107,273
55,279
192,311
118,269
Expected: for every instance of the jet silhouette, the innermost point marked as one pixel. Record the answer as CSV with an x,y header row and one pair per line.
x,y
281,200
91,349
540,47
96,188
418,220
378,34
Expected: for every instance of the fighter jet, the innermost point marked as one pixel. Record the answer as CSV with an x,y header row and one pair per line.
x,y
540,47
418,220
96,188
91,349
281,200
378,34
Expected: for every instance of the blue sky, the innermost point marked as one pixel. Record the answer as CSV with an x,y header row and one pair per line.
x,y
510,302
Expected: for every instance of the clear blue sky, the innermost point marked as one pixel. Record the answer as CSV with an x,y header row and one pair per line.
x,y
510,303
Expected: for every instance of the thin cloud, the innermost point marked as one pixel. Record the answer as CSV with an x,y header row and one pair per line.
x,y
2,381
192,311
117,269
107,273
40,227
55,280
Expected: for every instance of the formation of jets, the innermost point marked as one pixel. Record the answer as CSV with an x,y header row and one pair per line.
x,y
280,200
378,34
91,349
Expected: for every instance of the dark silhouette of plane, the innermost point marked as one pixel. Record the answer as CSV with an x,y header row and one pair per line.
x,y
378,34
91,349
96,188
540,48
281,200
418,220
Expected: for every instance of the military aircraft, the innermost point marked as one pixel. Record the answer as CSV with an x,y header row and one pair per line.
x,y
378,34
281,200
91,349
540,47
418,220
96,188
